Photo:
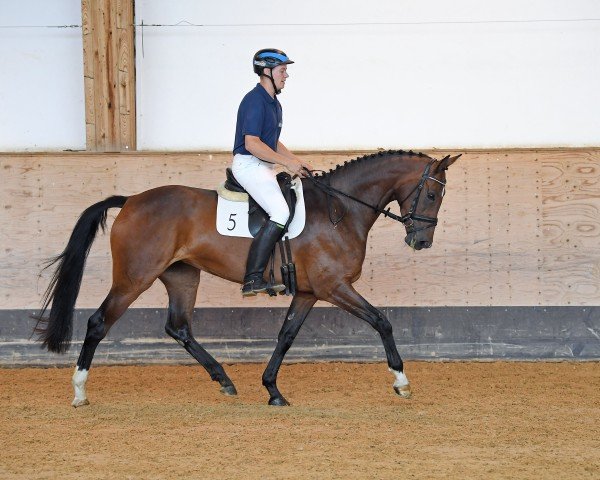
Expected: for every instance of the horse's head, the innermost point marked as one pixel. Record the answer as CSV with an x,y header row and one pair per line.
x,y
420,200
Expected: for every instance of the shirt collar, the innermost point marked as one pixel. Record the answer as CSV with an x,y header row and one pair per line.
x,y
264,93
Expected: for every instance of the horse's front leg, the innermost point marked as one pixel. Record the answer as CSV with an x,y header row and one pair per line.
x,y
350,300
302,303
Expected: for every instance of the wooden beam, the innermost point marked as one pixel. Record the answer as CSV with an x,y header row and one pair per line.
x,y
109,74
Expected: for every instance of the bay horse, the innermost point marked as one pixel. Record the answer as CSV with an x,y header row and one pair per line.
x,y
170,233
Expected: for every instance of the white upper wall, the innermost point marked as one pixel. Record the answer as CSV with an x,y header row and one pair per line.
x,y
385,73
41,76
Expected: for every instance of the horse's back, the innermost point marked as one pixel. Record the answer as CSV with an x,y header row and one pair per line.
x,y
170,199
169,193
170,208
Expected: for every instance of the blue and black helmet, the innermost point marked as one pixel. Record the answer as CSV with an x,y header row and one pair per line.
x,y
269,58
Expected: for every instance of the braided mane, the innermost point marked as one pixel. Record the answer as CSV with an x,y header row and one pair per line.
x,y
379,154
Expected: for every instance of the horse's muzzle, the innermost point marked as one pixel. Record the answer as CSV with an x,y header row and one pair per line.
x,y
416,244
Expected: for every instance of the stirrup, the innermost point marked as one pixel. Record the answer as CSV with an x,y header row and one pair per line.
x,y
253,287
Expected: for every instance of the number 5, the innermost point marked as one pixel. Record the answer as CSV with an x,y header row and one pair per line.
x,y
232,220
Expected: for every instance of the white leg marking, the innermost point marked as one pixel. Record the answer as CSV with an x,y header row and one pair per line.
x,y
401,384
401,379
78,381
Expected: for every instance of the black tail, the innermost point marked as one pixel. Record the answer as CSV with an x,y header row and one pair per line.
x,y
55,331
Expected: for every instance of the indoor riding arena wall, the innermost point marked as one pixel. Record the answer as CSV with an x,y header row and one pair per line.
x,y
514,271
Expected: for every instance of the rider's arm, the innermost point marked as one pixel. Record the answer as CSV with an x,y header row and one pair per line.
x,y
281,148
261,150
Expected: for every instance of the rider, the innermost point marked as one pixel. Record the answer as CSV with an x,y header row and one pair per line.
x,y
256,151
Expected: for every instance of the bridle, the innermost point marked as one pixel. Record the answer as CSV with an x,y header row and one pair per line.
x,y
407,220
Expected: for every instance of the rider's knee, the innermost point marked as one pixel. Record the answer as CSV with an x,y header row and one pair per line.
x,y
280,215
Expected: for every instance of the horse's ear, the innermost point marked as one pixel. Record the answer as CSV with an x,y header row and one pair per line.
x,y
445,162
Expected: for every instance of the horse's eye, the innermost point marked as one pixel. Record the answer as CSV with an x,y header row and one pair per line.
x,y
431,196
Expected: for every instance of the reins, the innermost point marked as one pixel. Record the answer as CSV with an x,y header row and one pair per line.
x,y
407,220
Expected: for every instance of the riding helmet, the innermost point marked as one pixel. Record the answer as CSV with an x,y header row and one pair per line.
x,y
269,58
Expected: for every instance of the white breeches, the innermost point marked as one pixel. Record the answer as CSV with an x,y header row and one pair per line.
x,y
258,178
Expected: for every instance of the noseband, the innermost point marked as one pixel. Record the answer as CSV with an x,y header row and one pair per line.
x,y
407,220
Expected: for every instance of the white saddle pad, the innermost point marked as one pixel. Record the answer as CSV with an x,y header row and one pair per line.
x,y
232,216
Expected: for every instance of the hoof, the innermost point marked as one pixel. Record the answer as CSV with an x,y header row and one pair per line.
x,y
404,391
78,402
279,402
229,390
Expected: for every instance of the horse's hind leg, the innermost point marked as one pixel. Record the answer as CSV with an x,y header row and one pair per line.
x,y
115,304
182,282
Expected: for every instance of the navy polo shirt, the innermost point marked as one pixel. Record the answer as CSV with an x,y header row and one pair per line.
x,y
259,115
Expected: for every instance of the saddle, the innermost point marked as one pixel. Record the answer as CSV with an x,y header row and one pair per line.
x,y
257,217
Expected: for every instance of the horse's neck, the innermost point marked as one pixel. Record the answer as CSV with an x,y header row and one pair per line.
x,y
371,181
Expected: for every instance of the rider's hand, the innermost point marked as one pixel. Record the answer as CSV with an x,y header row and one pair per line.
x,y
300,167
294,166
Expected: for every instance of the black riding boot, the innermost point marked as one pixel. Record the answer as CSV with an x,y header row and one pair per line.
x,y
258,257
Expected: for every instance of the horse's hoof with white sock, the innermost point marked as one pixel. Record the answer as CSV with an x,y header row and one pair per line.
x,y
78,382
80,402
401,385
404,391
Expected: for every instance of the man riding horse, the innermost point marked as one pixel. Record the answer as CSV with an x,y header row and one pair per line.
x,y
344,205
256,150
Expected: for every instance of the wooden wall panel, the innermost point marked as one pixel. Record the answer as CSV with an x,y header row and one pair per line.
x,y
571,228
109,73
519,227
